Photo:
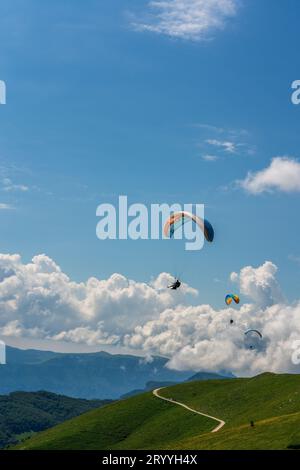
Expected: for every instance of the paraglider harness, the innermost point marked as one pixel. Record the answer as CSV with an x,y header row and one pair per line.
x,y
175,285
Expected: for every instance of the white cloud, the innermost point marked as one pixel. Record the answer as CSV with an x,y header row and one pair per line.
x,y
283,174
218,141
187,19
201,338
210,158
227,146
87,335
259,284
39,301
4,206
8,185
163,280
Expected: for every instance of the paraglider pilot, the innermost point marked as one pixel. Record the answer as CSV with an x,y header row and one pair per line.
x,y
175,285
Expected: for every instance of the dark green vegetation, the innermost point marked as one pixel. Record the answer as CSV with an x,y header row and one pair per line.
x,y
23,413
271,401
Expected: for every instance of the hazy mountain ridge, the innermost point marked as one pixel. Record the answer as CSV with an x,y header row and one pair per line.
x,y
90,375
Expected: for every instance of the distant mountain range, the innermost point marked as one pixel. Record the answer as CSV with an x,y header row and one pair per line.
x,y
89,375
22,413
70,380
148,387
210,376
196,377
92,375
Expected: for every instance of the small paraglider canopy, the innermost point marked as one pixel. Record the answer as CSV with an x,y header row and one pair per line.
x,y
178,219
232,297
254,338
254,331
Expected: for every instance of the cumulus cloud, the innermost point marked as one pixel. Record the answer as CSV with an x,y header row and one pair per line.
x,y
283,174
201,337
163,280
38,300
259,284
187,19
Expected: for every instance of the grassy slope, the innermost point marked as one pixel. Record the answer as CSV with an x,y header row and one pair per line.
x,y
136,423
271,401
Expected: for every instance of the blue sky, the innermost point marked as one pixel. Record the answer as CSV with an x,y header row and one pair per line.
x,y
97,107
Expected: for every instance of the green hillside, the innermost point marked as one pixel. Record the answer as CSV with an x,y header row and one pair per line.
x,y
22,413
271,401
145,422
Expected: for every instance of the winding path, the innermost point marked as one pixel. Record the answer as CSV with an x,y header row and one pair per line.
x,y
220,421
